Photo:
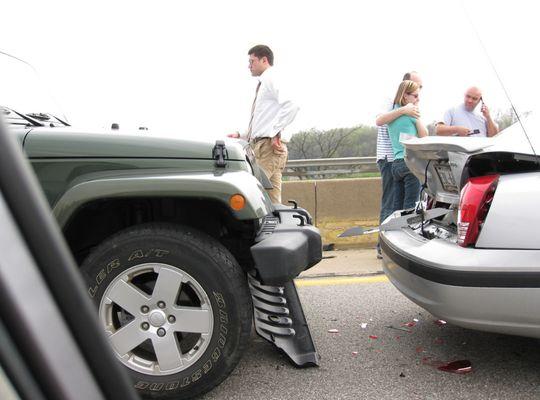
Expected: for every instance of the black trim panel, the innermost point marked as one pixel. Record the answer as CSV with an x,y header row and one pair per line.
x,y
488,279
285,247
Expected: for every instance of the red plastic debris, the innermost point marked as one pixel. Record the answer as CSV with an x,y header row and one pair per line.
x,y
409,324
333,331
433,363
440,322
457,367
354,353
373,337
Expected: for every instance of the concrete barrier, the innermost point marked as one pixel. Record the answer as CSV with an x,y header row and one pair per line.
x,y
338,204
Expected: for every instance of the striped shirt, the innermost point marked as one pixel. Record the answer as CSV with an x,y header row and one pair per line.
x,y
384,144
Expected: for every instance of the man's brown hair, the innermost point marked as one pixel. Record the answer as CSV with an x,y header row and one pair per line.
x,y
261,51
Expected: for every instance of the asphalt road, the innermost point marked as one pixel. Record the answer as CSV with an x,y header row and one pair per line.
x,y
394,365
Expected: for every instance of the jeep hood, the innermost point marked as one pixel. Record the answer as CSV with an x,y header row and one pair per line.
x,y
69,143
445,158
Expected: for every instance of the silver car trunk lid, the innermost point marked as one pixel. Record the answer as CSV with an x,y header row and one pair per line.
x,y
440,160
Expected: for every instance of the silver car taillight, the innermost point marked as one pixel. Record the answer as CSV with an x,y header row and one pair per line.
x,y
474,203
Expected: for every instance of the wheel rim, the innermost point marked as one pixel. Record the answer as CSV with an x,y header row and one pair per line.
x,y
157,317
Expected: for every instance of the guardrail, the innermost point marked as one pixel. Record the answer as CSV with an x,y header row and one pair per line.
x,y
329,167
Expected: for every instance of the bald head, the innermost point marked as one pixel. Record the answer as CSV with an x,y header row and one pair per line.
x,y
473,95
413,76
416,78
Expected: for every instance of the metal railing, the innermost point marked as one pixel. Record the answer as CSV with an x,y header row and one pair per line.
x,y
329,167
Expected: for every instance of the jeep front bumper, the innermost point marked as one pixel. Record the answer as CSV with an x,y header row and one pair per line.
x,y
286,245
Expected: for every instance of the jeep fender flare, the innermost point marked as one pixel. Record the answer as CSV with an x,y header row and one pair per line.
x,y
216,186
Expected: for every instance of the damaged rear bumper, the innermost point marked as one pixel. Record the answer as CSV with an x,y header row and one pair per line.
x,y
485,289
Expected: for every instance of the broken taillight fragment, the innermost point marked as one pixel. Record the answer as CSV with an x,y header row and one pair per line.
x,y
457,367
474,204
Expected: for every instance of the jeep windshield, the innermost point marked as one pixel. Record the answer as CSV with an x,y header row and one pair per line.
x,y
24,99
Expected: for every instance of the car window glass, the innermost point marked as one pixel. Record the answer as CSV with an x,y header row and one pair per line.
x,y
17,80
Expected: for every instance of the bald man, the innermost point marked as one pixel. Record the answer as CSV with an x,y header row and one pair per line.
x,y
464,121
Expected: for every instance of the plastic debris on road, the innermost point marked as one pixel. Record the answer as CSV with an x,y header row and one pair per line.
x,y
373,337
440,322
358,231
333,331
431,362
409,324
457,367
416,319
399,328
363,325
354,353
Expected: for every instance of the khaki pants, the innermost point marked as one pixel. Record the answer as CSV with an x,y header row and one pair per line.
x,y
272,162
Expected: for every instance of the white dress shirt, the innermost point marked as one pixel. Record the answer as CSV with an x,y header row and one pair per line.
x,y
274,109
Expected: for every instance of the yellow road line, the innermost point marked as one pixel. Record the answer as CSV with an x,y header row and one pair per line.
x,y
342,280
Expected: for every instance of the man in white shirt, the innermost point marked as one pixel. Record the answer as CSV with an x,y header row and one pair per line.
x,y
271,112
464,121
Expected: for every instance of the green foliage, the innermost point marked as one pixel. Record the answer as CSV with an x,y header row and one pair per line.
x,y
358,141
505,118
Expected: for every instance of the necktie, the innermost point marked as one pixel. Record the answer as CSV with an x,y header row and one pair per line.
x,y
250,126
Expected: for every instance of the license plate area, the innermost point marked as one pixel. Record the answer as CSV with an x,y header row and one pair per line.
x,y
446,177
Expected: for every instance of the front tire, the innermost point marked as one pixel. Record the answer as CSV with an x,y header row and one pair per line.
x,y
175,306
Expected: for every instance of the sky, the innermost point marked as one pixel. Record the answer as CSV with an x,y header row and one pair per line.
x,y
180,68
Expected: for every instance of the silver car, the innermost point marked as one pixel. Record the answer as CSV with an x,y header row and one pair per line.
x,y
469,253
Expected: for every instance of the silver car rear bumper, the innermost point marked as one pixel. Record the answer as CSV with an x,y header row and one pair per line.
x,y
484,289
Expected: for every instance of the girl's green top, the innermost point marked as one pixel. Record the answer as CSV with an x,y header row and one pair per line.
x,y
402,124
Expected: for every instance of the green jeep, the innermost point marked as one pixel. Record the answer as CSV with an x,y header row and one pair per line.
x,y
179,246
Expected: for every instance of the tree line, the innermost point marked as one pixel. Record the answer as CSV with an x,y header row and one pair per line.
x,y
356,141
